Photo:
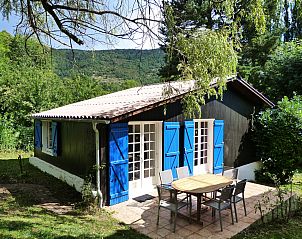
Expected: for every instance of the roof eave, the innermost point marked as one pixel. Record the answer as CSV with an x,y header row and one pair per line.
x,y
256,92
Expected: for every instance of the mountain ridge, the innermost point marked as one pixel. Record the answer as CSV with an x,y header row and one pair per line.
x,y
117,64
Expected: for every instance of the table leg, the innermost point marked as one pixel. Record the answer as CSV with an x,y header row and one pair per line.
x,y
198,206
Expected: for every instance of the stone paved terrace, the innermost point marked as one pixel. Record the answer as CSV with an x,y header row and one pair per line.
x,y
142,217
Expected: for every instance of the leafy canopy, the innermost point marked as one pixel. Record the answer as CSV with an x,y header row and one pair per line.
x,y
279,140
201,42
281,74
200,63
283,24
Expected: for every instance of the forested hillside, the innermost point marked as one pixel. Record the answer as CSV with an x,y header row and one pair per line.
x,y
127,64
33,80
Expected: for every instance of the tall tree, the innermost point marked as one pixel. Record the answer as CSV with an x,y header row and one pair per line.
x,y
202,38
281,74
283,24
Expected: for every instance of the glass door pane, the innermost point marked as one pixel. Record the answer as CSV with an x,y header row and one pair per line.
x,y
134,152
201,139
149,150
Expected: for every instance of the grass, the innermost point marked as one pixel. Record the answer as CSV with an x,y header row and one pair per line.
x,y
22,218
279,228
297,183
14,154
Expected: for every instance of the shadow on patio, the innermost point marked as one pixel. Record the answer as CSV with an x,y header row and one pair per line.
x,y
142,217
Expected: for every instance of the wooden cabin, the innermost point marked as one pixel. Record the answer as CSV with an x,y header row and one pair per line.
x,y
132,135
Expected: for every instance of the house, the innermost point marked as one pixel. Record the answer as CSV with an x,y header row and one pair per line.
x,y
125,138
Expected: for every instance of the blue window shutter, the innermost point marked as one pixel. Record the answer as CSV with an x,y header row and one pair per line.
x,y
38,134
218,146
171,146
54,137
189,145
118,163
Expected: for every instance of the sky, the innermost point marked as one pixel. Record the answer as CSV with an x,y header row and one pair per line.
x,y
10,26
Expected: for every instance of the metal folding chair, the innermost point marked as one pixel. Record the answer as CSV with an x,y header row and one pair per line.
x,y
222,203
172,203
239,189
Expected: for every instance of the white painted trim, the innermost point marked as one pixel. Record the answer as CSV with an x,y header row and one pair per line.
x,y
247,171
45,128
203,120
58,173
211,146
133,192
208,167
159,150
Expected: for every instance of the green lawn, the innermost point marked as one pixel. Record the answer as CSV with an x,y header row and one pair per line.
x,y
21,217
278,229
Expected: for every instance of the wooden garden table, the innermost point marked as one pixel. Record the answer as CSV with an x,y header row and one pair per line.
x,y
200,184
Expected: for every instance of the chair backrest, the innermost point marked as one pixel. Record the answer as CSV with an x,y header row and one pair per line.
x,y
240,187
226,193
166,177
182,172
231,174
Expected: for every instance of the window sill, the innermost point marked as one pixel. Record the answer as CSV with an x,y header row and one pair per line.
x,y
47,151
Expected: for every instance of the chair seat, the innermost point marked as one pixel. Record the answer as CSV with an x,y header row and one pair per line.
x,y
215,204
172,203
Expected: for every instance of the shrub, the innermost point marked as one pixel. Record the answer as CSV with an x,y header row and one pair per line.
x,y
279,140
8,135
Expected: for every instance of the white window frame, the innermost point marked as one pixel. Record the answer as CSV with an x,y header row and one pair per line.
x,y
47,144
210,145
158,154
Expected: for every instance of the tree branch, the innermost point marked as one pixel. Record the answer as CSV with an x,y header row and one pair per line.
x,y
48,8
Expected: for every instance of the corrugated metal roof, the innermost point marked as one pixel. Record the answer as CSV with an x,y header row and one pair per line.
x,y
133,100
119,103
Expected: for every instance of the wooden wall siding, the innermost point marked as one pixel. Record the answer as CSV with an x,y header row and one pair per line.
x,y
236,113
77,148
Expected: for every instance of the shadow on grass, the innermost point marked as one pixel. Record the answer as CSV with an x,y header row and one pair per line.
x,y
16,225
43,224
22,185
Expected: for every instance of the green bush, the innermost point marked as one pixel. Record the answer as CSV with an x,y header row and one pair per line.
x,y
279,140
8,135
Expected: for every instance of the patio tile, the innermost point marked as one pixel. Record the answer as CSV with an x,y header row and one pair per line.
x,y
163,232
154,235
174,236
143,216
247,219
193,227
144,230
238,227
163,222
213,228
182,222
204,232
224,234
183,232
194,236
